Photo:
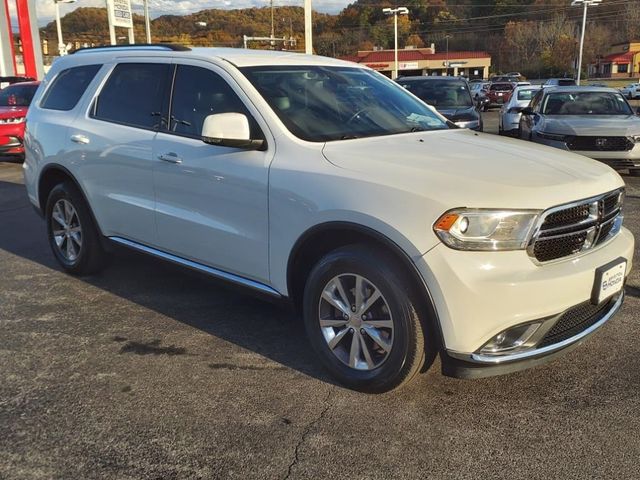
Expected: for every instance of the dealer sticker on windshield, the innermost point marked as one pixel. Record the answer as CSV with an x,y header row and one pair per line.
x,y
609,280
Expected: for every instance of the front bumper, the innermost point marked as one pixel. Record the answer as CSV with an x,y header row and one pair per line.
x,y
11,139
480,294
629,159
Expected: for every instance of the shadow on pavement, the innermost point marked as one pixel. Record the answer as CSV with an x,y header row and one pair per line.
x,y
193,299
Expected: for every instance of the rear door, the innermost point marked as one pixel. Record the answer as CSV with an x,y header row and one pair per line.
x,y
113,147
212,201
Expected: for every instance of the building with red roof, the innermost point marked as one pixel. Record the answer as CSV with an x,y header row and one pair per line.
x,y
621,61
425,61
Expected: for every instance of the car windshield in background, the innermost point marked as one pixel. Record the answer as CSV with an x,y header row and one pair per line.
x,y
586,103
440,93
526,94
501,87
566,83
17,95
321,104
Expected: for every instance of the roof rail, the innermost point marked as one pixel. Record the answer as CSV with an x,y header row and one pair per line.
x,y
136,46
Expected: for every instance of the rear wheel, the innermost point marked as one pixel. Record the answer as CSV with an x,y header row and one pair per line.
x,y
362,319
73,235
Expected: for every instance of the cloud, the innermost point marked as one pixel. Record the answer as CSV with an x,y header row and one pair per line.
x,y
46,9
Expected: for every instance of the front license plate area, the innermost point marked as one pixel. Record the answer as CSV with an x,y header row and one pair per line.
x,y
609,280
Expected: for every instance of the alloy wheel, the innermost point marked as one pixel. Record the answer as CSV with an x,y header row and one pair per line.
x,y
356,322
66,230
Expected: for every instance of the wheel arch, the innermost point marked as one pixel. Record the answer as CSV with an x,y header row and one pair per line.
x,y
319,240
52,175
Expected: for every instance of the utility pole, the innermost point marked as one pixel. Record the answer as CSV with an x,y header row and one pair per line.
x,y
447,37
308,35
147,21
585,4
273,32
395,12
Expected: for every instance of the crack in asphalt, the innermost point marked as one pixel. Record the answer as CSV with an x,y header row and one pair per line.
x,y
306,432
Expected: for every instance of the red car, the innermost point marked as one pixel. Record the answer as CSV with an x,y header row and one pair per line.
x,y
14,103
499,94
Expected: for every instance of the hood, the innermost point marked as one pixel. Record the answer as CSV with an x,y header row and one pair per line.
x,y
461,168
592,125
460,114
11,112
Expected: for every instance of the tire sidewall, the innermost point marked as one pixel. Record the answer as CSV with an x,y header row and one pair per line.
x,y
375,270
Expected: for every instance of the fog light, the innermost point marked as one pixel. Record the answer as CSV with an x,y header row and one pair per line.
x,y
510,339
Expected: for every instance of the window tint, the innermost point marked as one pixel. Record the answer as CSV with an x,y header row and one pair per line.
x,y
440,93
198,93
134,95
68,87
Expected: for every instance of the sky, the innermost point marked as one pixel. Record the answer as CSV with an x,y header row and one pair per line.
x,y
46,10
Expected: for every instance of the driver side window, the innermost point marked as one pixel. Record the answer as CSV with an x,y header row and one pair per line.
x,y
198,93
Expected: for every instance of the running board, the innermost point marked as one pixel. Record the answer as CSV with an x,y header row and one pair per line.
x,y
214,272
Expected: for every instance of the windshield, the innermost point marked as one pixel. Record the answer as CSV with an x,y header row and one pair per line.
x,y
440,93
526,94
17,95
320,104
586,103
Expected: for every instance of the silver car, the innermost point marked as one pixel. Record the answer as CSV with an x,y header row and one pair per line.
x,y
595,122
509,120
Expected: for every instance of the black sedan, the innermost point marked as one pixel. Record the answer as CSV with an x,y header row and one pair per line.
x,y
449,95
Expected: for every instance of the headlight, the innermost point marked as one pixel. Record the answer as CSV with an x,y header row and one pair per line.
x,y
12,120
469,124
476,229
551,136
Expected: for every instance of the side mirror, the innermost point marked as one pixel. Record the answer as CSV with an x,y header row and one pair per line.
x,y
527,111
229,130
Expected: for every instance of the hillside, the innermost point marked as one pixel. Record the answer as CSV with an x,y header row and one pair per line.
x,y
532,36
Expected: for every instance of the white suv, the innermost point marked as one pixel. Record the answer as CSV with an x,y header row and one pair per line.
x,y
308,179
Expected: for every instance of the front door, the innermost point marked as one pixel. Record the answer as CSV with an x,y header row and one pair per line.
x,y
211,201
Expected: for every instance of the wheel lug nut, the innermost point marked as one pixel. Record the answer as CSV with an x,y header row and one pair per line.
x,y
364,317
353,308
362,331
351,330
345,316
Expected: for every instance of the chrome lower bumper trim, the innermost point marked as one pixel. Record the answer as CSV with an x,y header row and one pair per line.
x,y
538,352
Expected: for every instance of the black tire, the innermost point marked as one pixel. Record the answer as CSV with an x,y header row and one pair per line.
x,y
407,353
90,256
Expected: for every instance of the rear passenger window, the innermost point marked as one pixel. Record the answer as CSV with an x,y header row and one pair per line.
x,y
68,87
134,95
198,93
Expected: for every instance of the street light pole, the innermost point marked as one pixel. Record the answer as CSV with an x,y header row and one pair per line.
x,y
62,48
447,37
308,28
585,4
395,12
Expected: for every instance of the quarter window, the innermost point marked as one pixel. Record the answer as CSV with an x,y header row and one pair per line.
x,y
198,93
68,87
134,95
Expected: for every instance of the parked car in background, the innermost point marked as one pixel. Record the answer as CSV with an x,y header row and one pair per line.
x,y
323,184
450,96
631,91
14,103
479,91
559,82
509,119
595,122
6,81
499,94
505,78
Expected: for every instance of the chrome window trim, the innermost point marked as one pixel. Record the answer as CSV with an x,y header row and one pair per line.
x,y
600,221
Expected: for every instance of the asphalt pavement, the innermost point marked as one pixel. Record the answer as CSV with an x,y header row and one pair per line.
x,y
146,371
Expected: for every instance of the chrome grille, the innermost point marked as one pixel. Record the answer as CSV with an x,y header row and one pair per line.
x,y
570,229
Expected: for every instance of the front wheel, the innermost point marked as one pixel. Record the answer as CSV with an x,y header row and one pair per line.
x,y
362,319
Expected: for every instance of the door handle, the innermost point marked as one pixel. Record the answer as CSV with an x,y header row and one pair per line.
x,y
170,158
81,139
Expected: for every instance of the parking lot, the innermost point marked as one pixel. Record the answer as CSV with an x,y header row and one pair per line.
x,y
149,371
